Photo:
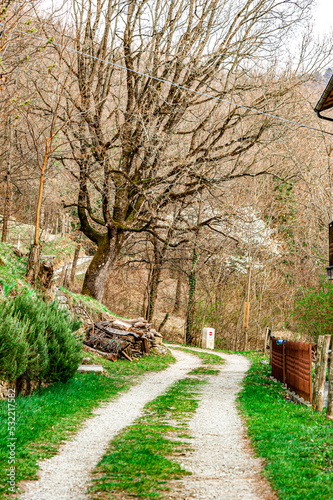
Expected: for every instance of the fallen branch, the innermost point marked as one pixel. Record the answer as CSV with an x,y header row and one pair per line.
x,y
126,356
108,355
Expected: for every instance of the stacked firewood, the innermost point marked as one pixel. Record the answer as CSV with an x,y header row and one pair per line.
x,y
115,338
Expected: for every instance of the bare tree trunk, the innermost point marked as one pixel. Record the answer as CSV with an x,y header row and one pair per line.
x,y
34,256
319,399
101,265
246,309
165,319
155,275
74,263
8,195
178,293
190,305
267,333
62,276
6,209
239,325
33,264
192,284
320,342
152,292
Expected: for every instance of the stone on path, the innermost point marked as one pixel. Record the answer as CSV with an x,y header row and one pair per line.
x,y
90,368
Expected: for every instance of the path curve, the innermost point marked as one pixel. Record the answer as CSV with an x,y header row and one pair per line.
x,y
223,464
65,476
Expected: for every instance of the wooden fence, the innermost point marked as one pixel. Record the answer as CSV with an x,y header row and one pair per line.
x,y
278,360
299,368
292,365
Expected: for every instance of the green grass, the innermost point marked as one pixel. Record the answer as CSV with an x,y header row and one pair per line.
x,y
92,305
140,461
12,275
296,442
51,415
204,371
13,270
63,248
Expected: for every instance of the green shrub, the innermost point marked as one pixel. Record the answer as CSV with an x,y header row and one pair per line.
x,y
53,353
64,350
313,314
14,348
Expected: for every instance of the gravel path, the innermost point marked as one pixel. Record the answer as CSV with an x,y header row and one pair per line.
x,y
223,465
64,476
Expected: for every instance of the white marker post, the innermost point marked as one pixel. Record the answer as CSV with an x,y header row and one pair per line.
x,y
208,338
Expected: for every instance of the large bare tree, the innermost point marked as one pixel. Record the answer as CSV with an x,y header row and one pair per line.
x,y
141,141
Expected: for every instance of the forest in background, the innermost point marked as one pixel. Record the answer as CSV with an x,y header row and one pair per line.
x,y
179,197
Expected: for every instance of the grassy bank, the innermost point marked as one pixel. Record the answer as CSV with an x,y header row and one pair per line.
x,y
12,269
296,443
141,461
51,415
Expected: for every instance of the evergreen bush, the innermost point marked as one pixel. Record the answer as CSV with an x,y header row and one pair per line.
x,y
14,347
52,352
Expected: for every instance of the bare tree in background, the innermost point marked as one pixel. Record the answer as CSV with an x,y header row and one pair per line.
x,y
48,104
14,56
140,143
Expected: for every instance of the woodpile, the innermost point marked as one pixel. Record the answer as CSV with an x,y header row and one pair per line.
x,y
128,339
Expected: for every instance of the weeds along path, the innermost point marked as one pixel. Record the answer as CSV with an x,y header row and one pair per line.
x,y
223,465
64,476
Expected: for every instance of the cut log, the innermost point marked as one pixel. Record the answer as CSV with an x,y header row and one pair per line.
x,y
108,355
98,341
131,342
145,345
123,325
103,325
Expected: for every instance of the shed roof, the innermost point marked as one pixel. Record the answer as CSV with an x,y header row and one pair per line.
x,y
326,100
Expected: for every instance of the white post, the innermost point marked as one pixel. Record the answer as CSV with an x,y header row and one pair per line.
x,y
208,338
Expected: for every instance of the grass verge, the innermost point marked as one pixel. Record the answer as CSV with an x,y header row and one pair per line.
x,y
140,461
204,371
51,415
296,442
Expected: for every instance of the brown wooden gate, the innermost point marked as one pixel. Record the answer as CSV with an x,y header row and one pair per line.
x,y
292,365
298,361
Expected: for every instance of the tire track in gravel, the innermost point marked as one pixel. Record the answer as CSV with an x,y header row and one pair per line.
x,y
65,475
223,464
